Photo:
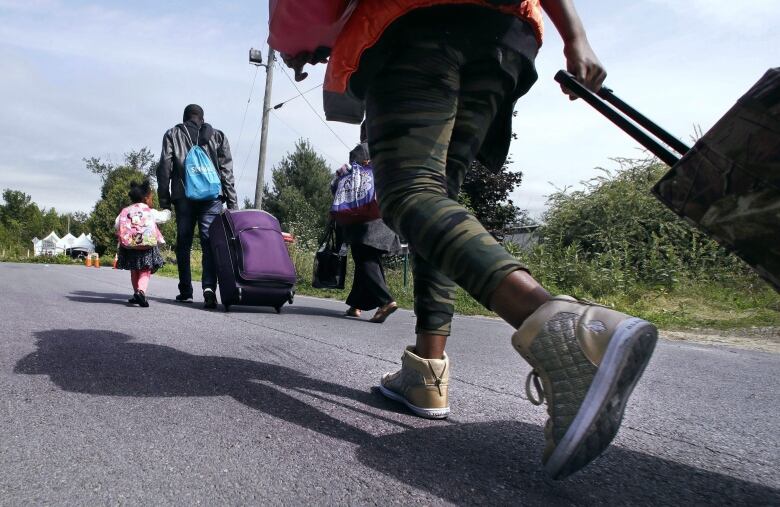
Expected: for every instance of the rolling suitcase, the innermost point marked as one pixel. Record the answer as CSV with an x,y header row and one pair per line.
x,y
728,183
253,265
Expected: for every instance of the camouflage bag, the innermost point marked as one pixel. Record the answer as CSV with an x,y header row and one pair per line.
x,y
728,184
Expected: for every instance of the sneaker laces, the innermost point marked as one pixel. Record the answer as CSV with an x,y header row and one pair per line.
x,y
537,399
437,378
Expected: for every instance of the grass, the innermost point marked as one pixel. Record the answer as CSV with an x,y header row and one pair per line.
x,y
705,305
689,305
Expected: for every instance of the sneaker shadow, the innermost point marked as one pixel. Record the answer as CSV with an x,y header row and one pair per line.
x,y
493,462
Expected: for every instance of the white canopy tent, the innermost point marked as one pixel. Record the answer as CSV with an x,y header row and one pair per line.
x,y
66,241
49,245
82,244
68,244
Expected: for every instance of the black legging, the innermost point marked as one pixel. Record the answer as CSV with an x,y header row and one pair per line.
x,y
369,289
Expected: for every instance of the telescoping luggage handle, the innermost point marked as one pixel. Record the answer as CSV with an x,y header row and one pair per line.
x,y
604,101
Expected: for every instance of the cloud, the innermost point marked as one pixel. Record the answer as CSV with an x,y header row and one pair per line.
x,y
87,78
742,16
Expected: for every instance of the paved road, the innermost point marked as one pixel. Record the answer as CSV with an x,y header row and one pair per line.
x,y
102,403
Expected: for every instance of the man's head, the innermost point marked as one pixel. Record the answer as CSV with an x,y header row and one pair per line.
x,y
193,112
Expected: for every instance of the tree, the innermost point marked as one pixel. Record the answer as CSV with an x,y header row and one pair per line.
x,y
113,197
21,220
96,165
301,196
142,160
20,217
16,206
486,194
139,165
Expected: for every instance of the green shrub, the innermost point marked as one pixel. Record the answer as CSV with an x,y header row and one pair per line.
x,y
614,234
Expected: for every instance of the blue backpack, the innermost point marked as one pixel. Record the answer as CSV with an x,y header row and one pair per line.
x,y
201,179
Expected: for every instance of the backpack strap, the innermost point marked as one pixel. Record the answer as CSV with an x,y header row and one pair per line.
x,y
186,131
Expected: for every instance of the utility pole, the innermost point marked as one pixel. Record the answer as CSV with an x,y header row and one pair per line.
x,y
269,77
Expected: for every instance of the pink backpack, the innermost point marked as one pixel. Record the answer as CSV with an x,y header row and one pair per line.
x,y
137,228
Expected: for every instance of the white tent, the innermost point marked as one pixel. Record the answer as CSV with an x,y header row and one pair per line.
x,y
66,242
36,246
83,244
50,245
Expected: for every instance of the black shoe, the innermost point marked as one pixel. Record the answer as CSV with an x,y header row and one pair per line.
x,y
209,299
141,297
182,298
133,300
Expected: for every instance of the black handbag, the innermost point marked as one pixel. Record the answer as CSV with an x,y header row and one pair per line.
x,y
330,262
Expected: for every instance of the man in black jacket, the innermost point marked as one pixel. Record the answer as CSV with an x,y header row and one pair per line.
x,y
177,142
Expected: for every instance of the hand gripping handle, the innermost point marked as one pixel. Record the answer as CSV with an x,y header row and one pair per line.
x,y
603,102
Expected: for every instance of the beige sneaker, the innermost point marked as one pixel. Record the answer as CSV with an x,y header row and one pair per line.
x,y
589,358
420,384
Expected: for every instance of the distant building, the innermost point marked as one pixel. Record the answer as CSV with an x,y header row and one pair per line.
x,y
524,236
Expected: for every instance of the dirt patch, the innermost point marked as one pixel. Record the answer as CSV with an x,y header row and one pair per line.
x,y
765,339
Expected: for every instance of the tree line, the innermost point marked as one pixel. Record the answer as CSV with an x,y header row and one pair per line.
x,y
21,220
299,196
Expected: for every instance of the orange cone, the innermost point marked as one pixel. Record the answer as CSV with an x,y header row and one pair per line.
x,y
88,262
116,260
97,261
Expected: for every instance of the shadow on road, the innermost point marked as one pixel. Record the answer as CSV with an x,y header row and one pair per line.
x,y
111,298
475,463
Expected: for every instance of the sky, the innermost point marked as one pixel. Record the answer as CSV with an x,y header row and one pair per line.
x,y
97,79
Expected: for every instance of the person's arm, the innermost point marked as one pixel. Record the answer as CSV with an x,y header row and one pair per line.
x,y
160,217
581,61
226,174
164,172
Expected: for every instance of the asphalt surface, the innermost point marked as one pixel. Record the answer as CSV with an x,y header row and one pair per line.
x,y
103,403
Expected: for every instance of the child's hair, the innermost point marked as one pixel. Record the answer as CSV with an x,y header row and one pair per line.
x,y
139,191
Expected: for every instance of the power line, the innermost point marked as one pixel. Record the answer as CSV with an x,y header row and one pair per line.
x,y
243,120
248,154
313,109
280,104
296,132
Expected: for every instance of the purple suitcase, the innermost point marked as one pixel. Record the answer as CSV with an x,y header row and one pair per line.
x,y
253,265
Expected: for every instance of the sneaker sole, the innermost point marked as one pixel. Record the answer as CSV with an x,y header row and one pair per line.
x,y
598,420
428,413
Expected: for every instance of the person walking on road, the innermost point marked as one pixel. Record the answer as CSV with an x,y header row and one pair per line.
x,y
139,239
368,242
178,144
439,80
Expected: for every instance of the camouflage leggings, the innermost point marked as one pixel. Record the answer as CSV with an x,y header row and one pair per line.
x,y
428,112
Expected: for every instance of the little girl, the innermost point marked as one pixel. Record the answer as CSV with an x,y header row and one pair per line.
x,y
139,239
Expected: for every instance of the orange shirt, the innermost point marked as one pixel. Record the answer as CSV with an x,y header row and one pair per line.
x,y
372,17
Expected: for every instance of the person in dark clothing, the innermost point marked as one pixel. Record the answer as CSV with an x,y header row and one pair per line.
x,y
177,142
369,241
